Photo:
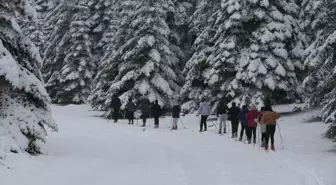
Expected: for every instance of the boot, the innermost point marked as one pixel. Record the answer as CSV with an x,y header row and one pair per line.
x,y
224,130
232,136
219,132
262,144
272,147
200,131
266,146
156,126
143,125
249,141
205,129
115,121
240,139
254,140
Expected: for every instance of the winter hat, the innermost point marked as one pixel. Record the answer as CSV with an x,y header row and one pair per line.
x,y
253,107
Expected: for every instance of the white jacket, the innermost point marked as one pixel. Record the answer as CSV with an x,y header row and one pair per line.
x,y
204,109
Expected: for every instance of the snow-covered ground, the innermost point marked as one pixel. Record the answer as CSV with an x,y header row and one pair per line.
x,y
90,150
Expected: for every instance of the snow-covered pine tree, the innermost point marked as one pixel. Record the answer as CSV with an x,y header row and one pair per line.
x,y
24,103
230,39
321,62
102,23
33,26
203,30
69,68
143,61
309,12
270,63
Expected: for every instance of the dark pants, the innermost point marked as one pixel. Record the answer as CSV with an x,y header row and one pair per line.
x,y
130,116
234,124
144,117
243,128
203,123
156,120
270,131
116,114
263,137
251,131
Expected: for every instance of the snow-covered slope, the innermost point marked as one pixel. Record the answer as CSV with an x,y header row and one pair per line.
x,y
90,150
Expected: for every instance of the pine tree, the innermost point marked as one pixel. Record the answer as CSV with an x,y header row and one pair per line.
x,y
24,102
33,26
230,40
143,61
202,28
272,59
321,62
69,68
102,23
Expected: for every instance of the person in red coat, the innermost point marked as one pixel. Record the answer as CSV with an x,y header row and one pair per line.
x,y
252,116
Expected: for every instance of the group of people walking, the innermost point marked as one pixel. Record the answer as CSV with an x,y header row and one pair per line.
x,y
147,109
249,120
248,117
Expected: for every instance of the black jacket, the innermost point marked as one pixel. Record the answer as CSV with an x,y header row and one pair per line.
x,y
222,109
234,113
176,111
116,103
156,110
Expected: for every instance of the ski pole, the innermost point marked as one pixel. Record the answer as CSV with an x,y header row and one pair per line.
x,y
258,130
283,146
215,126
183,124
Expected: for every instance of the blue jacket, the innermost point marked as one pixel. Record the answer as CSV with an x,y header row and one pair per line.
x,y
242,116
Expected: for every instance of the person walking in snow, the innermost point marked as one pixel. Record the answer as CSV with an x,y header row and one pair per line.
x,y
269,118
130,108
145,110
175,114
252,116
204,110
262,127
222,113
116,104
234,117
156,113
243,121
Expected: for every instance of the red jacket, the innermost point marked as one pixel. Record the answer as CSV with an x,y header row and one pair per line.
x,y
251,116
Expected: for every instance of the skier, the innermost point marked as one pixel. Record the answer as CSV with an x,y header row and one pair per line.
x,y
222,111
130,107
145,110
269,118
116,104
262,127
243,121
252,116
175,114
156,112
234,117
204,111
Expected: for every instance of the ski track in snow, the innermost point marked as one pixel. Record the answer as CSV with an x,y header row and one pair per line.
x,y
90,150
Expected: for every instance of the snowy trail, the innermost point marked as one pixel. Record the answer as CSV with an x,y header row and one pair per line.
x,y
90,150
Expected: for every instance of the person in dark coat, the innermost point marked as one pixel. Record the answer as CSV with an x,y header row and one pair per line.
x,y
222,113
145,110
243,121
116,104
156,113
176,115
130,108
234,117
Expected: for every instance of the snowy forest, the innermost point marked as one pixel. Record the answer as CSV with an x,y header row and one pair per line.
x,y
85,51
